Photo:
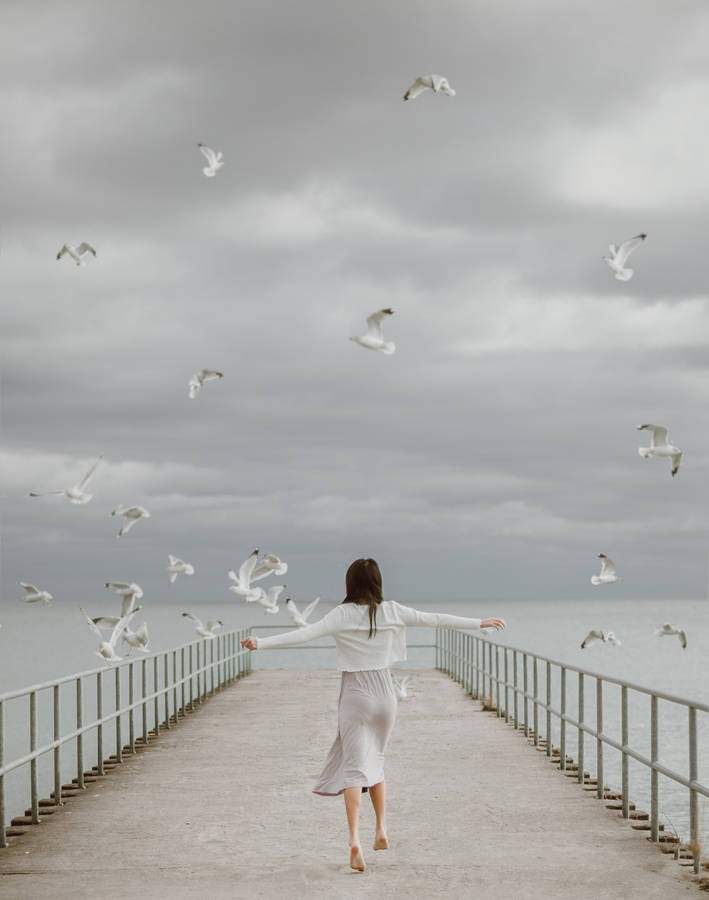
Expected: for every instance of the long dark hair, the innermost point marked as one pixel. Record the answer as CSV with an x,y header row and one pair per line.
x,y
363,582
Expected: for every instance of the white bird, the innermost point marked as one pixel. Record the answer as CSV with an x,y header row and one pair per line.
x,y
400,687
606,636
131,515
242,582
76,494
374,338
77,253
269,565
435,83
207,630
667,629
214,160
660,446
268,599
128,593
607,575
34,595
197,380
137,639
301,618
619,255
178,567
107,649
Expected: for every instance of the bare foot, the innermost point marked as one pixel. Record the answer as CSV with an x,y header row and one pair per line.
x,y
381,842
356,859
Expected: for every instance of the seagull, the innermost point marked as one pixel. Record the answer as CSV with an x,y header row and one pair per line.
x,y
131,514
107,649
435,83
214,161
34,595
207,630
374,338
300,618
128,593
607,575
660,446
400,687
197,380
137,639
75,494
77,253
268,599
619,255
242,582
178,567
606,636
667,629
269,565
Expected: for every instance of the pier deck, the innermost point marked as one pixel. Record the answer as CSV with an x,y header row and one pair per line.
x,y
220,807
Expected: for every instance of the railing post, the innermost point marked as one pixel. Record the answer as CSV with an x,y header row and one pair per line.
x,y
58,749
548,692
580,739
624,776
156,697
654,780
535,685
182,681
197,654
79,737
437,650
526,692
562,721
693,775
174,684
507,687
191,678
117,698
3,836
131,717
99,718
515,687
33,764
211,664
599,739
497,681
166,676
144,690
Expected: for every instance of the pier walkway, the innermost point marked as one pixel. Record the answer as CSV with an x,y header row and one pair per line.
x,y
220,807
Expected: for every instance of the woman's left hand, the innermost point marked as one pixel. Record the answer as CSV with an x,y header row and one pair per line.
x,y
251,643
493,623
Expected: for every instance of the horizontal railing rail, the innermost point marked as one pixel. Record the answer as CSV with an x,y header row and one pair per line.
x,y
205,667
468,659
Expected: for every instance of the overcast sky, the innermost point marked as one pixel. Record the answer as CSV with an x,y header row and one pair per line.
x,y
495,454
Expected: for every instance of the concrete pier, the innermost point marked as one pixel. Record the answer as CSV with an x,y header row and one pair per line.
x,y
220,807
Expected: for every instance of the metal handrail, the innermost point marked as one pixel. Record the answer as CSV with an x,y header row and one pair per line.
x,y
468,659
226,664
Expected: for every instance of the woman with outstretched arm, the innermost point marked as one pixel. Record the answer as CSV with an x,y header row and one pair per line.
x,y
369,634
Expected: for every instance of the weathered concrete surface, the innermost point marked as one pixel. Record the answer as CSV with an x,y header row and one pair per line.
x,y
220,807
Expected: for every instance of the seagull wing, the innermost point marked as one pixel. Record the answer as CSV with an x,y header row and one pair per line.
x,y
118,586
627,247
209,375
421,84
209,155
591,638
261,572
85,480
274,593
85,248
212,626
197,622
92,625
607,566
120,625
374,323
659,434
30,588
247,567
64,250
682,635
310,607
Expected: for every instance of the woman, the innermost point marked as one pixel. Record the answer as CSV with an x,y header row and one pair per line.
x,y
369,635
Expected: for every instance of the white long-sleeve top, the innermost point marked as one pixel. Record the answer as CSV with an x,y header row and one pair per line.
x,y
348,623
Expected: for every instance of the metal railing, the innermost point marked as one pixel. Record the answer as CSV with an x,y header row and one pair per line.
x,y
205,666
492,671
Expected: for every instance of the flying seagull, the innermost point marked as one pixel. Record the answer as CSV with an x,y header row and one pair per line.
x,y
107,649
374,338
616,261
75,494
268,599
77,253
400,687
137,639
242,582
214,161
128,593
131,515
660,446
197,380
301,618
178,567
206,631
607,575
269,565
435,83
667,630
606,636
34,595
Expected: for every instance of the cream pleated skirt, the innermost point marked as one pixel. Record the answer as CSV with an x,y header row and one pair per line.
x,y
366,715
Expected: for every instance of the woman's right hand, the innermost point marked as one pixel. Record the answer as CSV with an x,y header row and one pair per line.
x,y
498,624
251,643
